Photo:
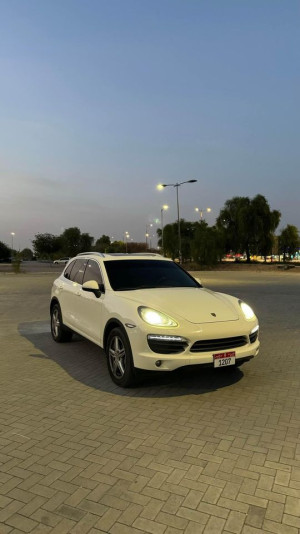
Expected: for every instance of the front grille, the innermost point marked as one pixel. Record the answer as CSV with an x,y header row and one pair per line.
x,y
215,345
166,346
253,337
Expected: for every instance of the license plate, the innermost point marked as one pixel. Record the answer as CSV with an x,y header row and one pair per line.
x,y
224,358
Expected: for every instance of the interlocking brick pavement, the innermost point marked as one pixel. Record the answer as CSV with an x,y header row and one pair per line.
x,y
193,452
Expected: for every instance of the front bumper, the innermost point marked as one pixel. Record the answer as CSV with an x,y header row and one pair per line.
x,y
145,358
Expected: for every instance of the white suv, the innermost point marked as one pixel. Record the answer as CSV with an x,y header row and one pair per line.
x,y
147,312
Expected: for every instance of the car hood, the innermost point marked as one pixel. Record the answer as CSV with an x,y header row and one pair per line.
x,y
196,305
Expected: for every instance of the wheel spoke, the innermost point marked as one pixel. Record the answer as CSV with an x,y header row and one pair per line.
x,y
115,365
121,367
117,343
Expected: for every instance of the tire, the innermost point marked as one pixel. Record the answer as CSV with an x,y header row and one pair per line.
x,y
59,331
119,358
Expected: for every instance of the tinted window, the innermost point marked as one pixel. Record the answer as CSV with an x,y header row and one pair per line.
x,y
92,272
139,274
78,271
68,270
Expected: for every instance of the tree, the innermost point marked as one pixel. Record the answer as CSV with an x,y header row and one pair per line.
x,y
264,223
170,240
86,242
208,244
187,231
248,225
46,245
5,251
102,244
73,241
289,240
133,246
70,240
26,254
232,221
116,247
198,241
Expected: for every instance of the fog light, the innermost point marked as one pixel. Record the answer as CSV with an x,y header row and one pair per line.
x,y
158,363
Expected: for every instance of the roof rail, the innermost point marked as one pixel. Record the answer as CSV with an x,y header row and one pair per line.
x,y
91,254
145,254
132,254
104,255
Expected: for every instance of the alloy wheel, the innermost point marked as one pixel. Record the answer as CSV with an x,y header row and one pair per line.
x,y
117,357
55,322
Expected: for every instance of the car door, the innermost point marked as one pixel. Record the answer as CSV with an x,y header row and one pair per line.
x,y
64,286
91,306
71,293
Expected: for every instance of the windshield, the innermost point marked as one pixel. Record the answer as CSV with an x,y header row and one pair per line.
x,y
125,275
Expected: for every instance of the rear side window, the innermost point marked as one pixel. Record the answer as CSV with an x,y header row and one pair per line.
x,y
78,271
92,272
68,270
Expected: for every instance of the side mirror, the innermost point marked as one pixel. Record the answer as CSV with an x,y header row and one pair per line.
x,y
93,287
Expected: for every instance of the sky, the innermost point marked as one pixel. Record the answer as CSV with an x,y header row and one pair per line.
x,y
101,100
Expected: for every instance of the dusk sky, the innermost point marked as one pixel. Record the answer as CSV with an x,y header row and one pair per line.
x,y
102,100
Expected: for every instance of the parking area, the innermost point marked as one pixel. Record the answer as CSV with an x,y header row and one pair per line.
x,y
195,451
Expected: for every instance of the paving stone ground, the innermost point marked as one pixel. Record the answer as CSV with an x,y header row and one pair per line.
x,y
189,452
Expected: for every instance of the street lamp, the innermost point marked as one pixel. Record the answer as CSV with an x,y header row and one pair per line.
x,y
164,207
177,185
200,210
12,242
147,233
126,236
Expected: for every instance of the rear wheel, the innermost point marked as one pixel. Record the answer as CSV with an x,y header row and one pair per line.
x,y
119,358
59,331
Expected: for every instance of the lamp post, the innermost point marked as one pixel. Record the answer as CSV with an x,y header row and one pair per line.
x,y
177,185
200,210
12,242
164,207
147,233
126,236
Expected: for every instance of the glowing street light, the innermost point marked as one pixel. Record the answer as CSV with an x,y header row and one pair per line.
x,y
12,242
164,208
177,185
200,210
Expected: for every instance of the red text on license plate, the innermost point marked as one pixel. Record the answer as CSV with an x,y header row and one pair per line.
x,y
224,355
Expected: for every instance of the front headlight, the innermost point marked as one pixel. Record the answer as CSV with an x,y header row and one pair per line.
x,y
155,318
247,311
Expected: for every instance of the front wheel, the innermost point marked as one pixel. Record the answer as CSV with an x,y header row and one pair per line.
x,y
119,359
59,331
